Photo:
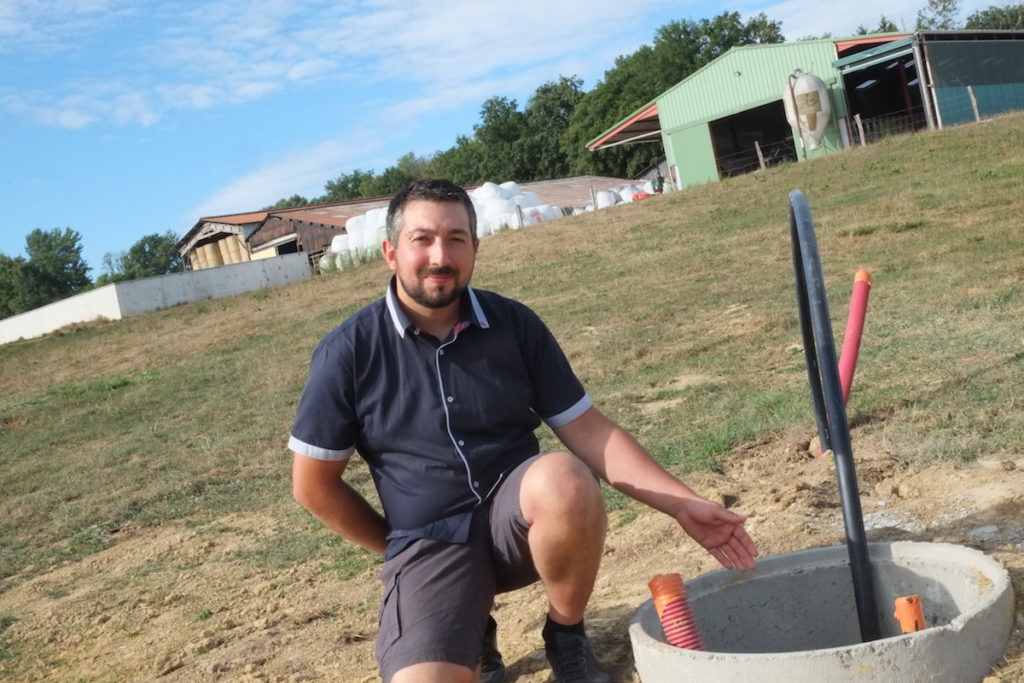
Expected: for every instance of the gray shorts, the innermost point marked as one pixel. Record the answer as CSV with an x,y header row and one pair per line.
x,y
437,595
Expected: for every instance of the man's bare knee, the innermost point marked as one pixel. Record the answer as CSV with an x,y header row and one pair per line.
x,y
559,482
435,672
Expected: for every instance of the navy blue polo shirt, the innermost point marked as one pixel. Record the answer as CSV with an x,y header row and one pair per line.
x,y
439,422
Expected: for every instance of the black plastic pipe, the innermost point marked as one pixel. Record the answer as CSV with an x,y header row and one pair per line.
x,y
829,407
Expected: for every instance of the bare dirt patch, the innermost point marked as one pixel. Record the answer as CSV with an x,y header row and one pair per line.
x,y
175,603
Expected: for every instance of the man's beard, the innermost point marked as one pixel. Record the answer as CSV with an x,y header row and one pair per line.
x,y
437,299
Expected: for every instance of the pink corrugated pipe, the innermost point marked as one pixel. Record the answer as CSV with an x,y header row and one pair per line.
x,y
854,328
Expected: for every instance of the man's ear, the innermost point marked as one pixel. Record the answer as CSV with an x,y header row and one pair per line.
x,y
388,250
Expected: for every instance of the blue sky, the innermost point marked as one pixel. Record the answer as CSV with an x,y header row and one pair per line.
x,y
121,118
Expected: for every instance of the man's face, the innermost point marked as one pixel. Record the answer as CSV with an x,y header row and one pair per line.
x,y
433,255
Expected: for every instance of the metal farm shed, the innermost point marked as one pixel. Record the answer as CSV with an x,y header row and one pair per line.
x,y
728,117
967,75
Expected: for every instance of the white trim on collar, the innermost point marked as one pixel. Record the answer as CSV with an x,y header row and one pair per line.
x,y
396,315
401,320
478,312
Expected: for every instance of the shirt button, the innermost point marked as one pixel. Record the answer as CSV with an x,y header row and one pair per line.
x,y
461,442
450,399
441,352
476,484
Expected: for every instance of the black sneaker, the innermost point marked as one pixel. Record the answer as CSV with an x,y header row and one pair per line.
x,y
572,659
492,667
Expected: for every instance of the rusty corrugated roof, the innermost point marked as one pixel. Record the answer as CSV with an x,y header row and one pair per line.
x,y
235,218
572,192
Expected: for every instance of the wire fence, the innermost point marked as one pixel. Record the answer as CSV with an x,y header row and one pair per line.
x,y
877,127
757,157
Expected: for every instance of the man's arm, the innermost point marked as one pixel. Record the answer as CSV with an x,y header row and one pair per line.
x,y
318,487
619,459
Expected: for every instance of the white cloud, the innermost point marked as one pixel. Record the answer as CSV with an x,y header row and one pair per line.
x,y
311,68
67,118
134,107
44,27
188,96
802,18
225,52
303,172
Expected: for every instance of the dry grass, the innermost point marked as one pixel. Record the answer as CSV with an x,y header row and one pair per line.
x,y
184,413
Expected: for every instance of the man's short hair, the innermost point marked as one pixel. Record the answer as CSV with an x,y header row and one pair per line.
x,y
430,190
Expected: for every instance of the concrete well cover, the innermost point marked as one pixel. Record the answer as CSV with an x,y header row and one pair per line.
x,y
794,619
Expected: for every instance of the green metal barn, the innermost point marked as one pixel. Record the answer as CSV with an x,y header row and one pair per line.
x,y
730,116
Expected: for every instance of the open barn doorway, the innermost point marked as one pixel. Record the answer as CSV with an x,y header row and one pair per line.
x,y
734,139
887,98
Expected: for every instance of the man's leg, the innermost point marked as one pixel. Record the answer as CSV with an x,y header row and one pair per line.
x,y
561,502
435,672
437,597
548,523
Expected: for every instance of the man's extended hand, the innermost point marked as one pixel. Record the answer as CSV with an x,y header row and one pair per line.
x,y
720,531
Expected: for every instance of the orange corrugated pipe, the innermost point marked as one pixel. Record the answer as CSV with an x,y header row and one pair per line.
x,y
673,608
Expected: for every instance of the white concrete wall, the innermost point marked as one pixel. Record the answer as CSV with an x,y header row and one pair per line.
x,y
91,305
154,293
151,294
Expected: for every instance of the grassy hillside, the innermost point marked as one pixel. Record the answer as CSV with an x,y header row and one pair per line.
x,y
678,313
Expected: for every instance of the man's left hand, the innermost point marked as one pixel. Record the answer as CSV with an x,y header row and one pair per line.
x,y
720,531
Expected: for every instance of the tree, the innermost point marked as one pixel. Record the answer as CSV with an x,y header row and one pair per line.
x,y
885,25
547,117
14,286
54,270
55,263
408,168
1009,18
459,163
345,187
938,15
290,202
501,126
152,255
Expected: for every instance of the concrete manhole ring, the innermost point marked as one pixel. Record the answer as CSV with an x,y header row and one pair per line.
x,y
794,619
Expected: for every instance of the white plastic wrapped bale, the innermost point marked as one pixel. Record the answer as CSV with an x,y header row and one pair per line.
x,y
626,192
552,213
327,262
376,227
496,212
527,199
340,252
496,208
544,213
532,216
489,190
606,198
354,228
339,244
492,203
511,187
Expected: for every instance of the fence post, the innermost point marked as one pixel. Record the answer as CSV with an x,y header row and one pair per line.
x,y
974,104
860,129
760,156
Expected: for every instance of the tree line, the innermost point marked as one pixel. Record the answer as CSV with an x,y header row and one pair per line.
x,y
55,268
547,137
